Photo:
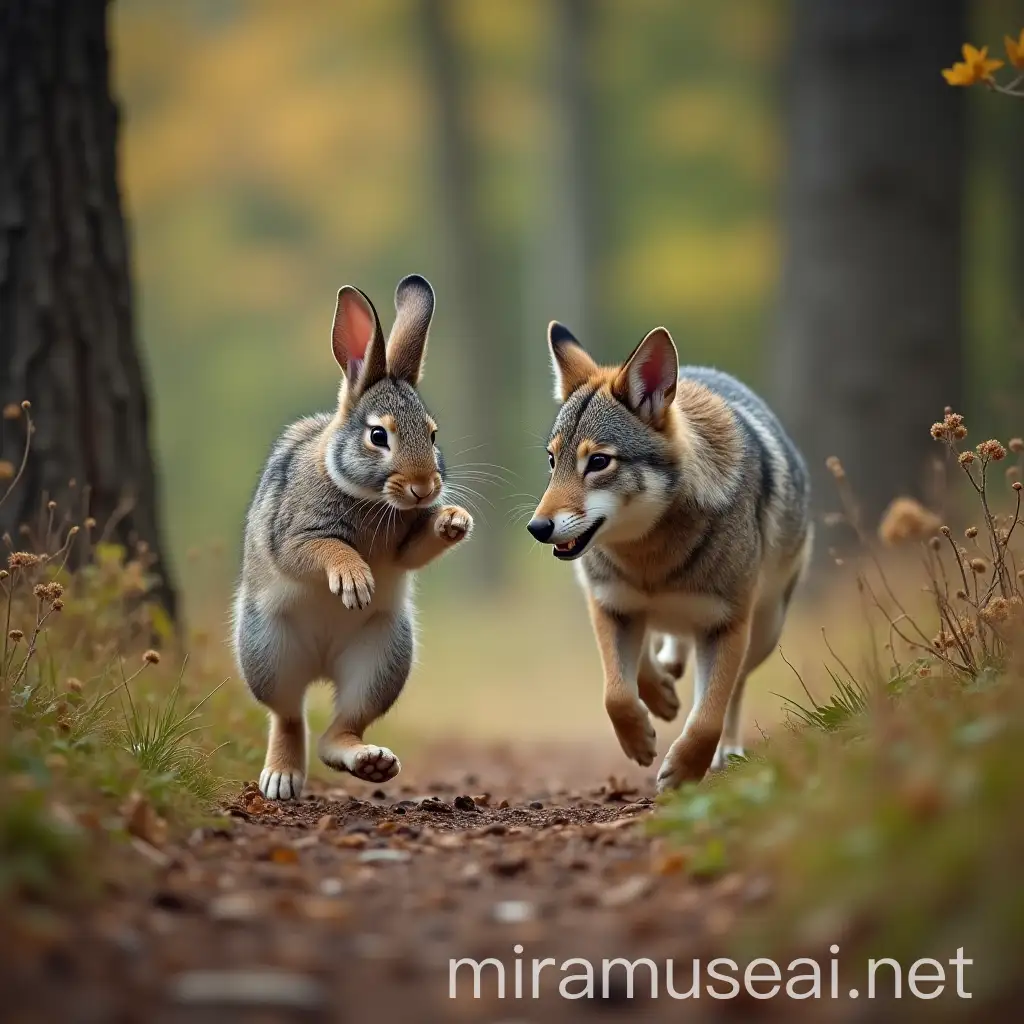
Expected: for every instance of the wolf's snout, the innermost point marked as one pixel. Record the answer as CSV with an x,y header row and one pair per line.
x,y
541,528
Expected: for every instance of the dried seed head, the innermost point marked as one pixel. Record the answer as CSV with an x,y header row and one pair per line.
x,y
991,450
4,574
72,531
907,520
934,543
26,405
962,595
1016,444
997,610
835,467
979,565
938,431
51,505
151,657
16,635
73,685
90,523
1017,485
944,530
971,532
924,671
22,560
965,458
58,605
48,591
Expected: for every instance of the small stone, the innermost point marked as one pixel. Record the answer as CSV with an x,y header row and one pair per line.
x,y
353,842
262,987
234,906
465,803
503,805
482,799
379,794
627,892
496,828
513,911
384,856
331,886
362,826
433,805
509,867
536,805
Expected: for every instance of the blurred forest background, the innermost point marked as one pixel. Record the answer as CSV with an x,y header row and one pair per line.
x,y
613,165
788,185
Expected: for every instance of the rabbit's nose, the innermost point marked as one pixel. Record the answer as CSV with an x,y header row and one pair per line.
x,y
416,494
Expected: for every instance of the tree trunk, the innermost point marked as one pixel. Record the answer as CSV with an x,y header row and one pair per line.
x,y
67,336
572,243
870,346
488,367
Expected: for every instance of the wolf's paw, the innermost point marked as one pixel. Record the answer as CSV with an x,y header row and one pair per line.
x,y
368,762
724,753
672,656
453,524
658,692
687,760
634,730
282,783
354,582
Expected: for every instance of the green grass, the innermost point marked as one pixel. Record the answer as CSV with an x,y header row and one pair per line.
x,y
888,823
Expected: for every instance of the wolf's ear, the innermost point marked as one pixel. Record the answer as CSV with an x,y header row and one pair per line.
x,y
357,340
407,346
647,381
570,363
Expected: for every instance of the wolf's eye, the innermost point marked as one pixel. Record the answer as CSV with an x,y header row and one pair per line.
x,y
596,463
551,460
379,437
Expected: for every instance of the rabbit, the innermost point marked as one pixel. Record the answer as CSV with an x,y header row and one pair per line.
x,y
349,506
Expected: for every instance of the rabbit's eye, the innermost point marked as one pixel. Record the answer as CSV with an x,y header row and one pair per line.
x,y
379,437
433,437
551,460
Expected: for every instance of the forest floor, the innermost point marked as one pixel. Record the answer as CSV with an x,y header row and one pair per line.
x,y
351,902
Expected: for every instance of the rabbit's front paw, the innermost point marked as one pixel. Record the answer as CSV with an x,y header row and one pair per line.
x,y
453,524
354,582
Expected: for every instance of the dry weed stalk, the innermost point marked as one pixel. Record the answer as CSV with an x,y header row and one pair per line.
x,y
976,587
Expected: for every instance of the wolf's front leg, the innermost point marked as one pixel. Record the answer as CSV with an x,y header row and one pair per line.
x,y
720,658
619,639
435,534
368,677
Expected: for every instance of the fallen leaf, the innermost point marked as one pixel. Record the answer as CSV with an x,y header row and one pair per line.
x,y
142,821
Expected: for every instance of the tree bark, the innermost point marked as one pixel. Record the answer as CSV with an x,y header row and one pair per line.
x,y
870,345
573,243
67,333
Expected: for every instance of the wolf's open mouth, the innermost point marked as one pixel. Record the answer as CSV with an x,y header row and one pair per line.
x,y
574,548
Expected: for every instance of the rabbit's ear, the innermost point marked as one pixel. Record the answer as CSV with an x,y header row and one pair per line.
x,y
357,340
571,364
407,346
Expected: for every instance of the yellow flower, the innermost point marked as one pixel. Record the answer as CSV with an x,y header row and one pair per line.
x,y
975,67
1015,50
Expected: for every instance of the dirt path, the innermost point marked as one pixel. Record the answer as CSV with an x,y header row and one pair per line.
x,y
351,902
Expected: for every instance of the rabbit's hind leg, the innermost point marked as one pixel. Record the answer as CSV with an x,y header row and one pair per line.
x,y
369,674
277,677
